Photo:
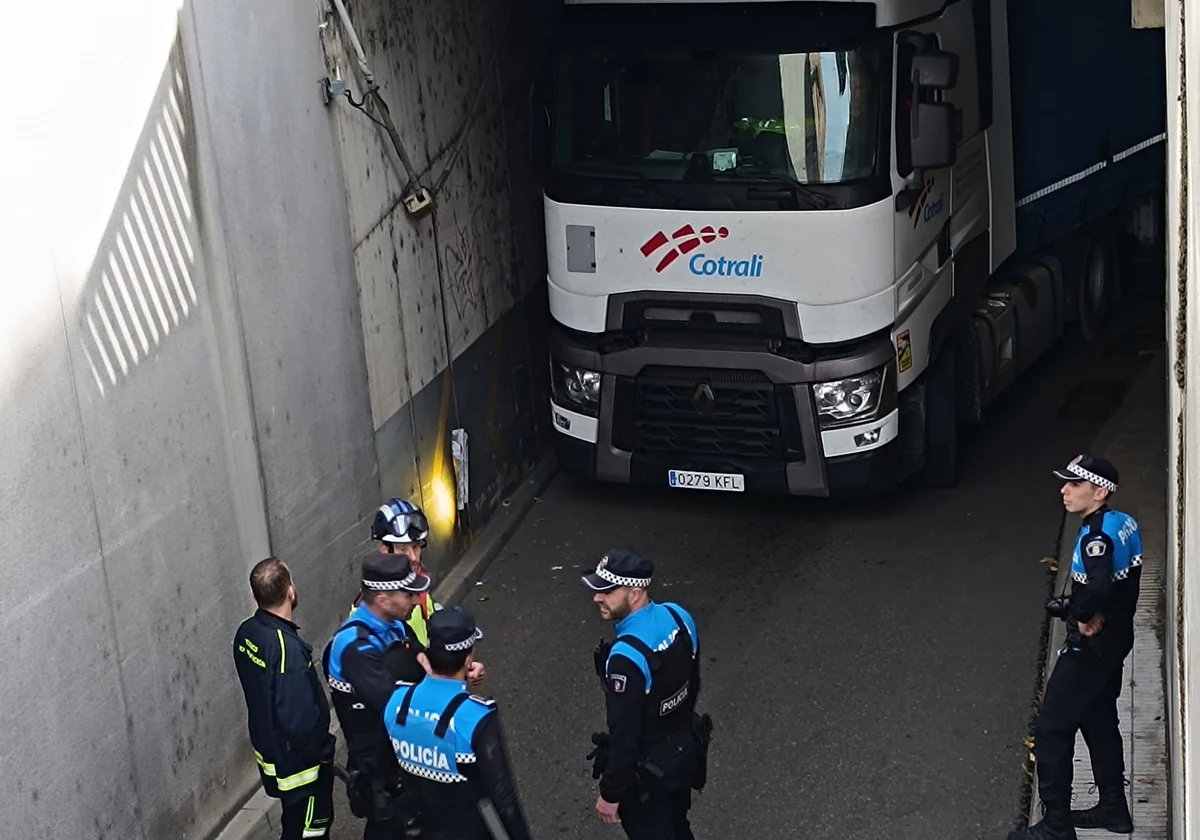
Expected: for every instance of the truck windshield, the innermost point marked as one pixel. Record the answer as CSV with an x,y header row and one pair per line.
x,y
682,115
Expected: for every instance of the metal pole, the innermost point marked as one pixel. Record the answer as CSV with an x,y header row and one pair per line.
x,y
373,92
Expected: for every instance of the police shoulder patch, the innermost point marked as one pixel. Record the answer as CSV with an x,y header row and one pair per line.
x,y
618,681
1096,548
483,701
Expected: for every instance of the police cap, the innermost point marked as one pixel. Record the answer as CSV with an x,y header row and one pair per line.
x,y
1098,471
392,572
620,568
453,630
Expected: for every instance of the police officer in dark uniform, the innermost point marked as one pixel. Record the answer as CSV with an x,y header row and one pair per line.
x,y
287,713
449,742
1081,694
362,662
654,754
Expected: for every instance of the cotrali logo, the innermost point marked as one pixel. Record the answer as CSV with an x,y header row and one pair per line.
x,y
687,239
923,209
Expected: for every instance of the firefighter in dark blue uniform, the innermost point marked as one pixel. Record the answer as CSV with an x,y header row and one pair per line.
x,y
287,713
655,751
364,659
1081,694
449,742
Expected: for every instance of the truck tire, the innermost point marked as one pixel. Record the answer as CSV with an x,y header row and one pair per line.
x,y
941,421
1097,283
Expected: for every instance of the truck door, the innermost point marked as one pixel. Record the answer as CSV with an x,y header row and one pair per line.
x,y
946,207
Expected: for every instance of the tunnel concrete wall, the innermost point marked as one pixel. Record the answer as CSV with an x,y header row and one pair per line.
x,y
183,389
1182,642
453,303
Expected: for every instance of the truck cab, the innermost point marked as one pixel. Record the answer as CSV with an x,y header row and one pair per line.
x,y
775,233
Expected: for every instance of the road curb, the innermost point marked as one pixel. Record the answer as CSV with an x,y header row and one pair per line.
x,y
259,818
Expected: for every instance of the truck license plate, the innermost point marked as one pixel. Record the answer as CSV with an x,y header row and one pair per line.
x,y
688,480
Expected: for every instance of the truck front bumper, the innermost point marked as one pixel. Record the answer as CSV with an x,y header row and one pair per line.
x,y
750,415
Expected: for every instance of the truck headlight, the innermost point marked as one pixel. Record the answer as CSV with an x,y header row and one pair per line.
x,y
852,400
575,387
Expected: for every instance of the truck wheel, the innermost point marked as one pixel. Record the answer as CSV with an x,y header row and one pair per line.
x,y
941,421
1097,284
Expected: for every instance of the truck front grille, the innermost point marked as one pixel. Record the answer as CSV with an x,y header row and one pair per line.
x,y
705,412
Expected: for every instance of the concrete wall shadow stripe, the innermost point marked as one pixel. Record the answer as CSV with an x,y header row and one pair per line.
x,y
259,817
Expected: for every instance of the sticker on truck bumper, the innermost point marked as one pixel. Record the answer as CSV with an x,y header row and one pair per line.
x,y
903,352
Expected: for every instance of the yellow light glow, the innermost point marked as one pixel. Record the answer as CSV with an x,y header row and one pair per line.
x,y
443,508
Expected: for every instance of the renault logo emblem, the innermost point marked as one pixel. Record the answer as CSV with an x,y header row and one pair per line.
x,y
704,399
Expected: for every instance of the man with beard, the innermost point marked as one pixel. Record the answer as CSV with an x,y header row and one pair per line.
x,y
372,650
654,753
287,713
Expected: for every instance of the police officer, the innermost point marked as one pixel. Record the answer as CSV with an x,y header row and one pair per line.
x,y
363,660
450,744
1081,694
654,754
400,527
287,713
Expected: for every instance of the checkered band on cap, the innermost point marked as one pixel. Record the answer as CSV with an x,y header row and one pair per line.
x,y
1088,475
391,585
465,644
605,574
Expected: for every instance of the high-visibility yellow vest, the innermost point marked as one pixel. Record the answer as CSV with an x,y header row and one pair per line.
x,y
425,608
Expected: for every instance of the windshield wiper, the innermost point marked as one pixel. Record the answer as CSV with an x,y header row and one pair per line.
x,y
616,175
615,180
815,199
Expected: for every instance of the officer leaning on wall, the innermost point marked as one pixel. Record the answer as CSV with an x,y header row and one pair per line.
x,y
450,743
1081,694
287,713
655,751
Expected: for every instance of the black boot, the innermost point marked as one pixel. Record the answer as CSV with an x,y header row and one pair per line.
x,y
1055,825
1111,812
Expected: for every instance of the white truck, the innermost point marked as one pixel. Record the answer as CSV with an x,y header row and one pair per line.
x,y
793,246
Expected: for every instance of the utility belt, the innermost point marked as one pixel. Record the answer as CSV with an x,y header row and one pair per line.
x,y
648,771
377,797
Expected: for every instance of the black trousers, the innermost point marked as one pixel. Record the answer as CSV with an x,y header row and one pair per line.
x,y
1081,696
308,812
387,822
656,814
656,807
383,830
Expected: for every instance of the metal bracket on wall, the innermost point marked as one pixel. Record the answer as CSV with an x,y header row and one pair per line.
x,y
331,89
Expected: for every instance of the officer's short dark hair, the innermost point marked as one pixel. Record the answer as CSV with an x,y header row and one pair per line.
x,y
269,581
446,662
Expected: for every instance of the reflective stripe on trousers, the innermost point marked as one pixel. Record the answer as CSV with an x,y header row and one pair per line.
x,y
304,777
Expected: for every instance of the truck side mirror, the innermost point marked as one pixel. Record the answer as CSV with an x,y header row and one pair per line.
x,y
934,140
937,70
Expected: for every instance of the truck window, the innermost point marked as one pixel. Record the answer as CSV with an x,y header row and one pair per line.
x,y
681,114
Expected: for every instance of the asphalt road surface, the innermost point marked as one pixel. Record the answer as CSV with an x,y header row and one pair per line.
x,y
870,665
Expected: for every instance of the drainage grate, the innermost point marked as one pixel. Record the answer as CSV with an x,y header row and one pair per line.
x,y
1092,400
